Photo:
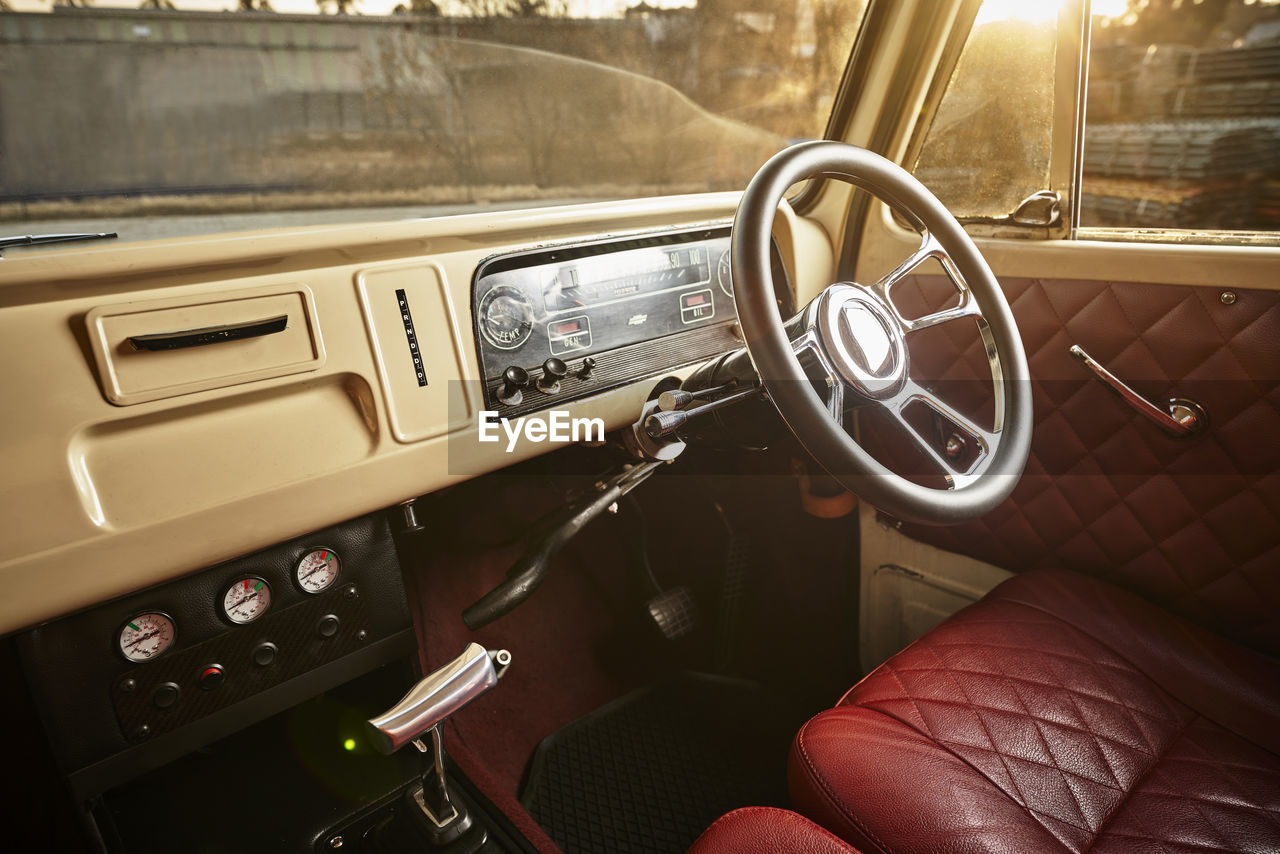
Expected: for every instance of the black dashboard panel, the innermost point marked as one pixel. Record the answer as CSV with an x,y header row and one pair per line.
x,y
109,718
612,310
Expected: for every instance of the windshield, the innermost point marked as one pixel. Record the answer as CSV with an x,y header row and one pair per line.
x,y
224,115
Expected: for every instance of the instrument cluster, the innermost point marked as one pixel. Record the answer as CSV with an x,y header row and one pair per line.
x,y
576,320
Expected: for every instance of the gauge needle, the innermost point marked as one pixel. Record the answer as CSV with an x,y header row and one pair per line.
x,y
148,636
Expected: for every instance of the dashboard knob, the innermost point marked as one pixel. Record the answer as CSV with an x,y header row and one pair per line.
x,y
515,380
588,367
553,370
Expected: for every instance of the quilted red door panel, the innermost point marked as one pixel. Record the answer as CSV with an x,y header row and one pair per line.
x,y
1191,524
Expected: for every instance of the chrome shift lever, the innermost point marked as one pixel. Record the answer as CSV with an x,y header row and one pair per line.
x,y
437,696
432,807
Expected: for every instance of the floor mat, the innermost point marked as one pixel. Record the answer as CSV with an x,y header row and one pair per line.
x,y
648,773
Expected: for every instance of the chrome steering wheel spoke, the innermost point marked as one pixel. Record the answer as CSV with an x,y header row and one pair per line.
x,y
929,248
812,358
983,441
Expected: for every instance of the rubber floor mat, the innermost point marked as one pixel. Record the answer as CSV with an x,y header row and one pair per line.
x,y
648,772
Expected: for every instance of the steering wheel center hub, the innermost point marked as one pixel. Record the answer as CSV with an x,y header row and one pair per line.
x,y
863,341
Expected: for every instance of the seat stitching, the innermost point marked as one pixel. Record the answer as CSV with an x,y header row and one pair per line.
x,y
963,761
1048,750
829,792
1139,670
1221,767
784,815
1091,781
906,693
1182,845
1022,799
1145,774
1152,750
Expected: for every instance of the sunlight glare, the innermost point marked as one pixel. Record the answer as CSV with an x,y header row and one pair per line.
x,y
1109,8
1020,10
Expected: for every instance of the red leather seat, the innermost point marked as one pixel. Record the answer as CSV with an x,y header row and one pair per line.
x,y
1057,714
765,830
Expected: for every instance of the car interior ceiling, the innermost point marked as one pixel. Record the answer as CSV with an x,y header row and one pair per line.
x,y
973,551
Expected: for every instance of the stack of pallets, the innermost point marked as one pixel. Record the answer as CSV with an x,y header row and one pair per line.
x,y
1183,138
1182,150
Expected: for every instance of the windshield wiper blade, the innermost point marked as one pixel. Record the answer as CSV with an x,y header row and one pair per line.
x,y
40,239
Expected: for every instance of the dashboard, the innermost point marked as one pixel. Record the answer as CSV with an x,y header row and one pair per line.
x,y
123,464
134,683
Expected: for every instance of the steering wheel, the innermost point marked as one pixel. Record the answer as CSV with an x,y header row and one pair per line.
x,y
854,338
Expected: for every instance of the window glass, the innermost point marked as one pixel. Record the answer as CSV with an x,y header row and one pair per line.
x,y
1183,117
196,116
989,144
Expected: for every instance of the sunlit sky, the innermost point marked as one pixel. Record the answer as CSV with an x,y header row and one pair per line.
x,y
992,10
577,8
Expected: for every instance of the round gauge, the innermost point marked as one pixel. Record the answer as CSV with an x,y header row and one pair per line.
x,y
722,274
506,317
246,600
317,570
146,636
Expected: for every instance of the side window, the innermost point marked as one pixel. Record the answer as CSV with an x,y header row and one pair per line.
x,y
1183,116
989,145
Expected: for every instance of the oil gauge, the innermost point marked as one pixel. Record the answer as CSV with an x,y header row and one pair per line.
x,y
246,600
317,570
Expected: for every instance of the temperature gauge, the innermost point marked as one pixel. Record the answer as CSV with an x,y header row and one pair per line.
x,y
506,317
317,570
246,600
146,636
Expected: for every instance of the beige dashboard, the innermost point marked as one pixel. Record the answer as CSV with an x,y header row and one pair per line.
x,y
122,470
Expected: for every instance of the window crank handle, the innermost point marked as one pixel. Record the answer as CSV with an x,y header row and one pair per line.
x,y
1182,419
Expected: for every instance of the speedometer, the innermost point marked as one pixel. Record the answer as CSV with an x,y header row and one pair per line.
x,y
506,317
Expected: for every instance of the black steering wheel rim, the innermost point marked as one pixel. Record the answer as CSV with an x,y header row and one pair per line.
x,y
771,349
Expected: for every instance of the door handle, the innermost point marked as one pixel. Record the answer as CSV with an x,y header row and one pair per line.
x,y
1182,419
209,334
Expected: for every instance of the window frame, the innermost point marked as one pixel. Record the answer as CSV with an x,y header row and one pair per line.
x,y
1066,163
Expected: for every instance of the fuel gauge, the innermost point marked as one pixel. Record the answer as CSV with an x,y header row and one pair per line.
x,y
246,600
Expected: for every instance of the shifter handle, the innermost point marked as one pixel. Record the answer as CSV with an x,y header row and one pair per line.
x,y
437,696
